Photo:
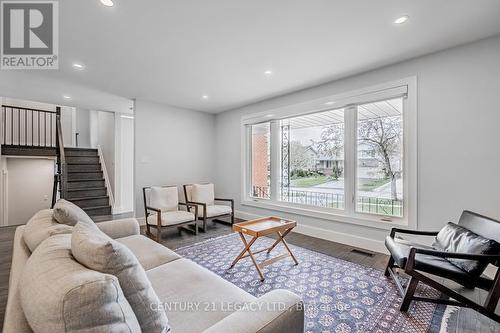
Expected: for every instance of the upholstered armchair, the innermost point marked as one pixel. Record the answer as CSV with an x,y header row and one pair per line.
x,y
163,209
460,253
203,196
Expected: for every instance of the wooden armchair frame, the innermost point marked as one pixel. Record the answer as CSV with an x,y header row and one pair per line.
x,y
148,209
204,217
487,309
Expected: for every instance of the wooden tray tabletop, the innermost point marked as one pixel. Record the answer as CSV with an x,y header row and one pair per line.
x,y
264,226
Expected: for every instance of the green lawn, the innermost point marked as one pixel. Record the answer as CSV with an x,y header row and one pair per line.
x,y
369,184
309,181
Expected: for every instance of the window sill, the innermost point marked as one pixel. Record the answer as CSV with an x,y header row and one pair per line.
x,y
362,220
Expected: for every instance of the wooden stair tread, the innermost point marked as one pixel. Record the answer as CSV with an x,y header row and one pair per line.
x,y
91,198
84,180
87,189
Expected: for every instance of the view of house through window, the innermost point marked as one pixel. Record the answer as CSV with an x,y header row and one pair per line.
x,y
379,187
312,159
261,163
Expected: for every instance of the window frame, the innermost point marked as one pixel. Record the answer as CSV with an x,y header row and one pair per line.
x,y
374,93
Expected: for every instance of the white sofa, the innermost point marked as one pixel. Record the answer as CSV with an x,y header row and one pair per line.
x,y
178,282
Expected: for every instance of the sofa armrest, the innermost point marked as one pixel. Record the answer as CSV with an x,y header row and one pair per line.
x,y
120,228
279,311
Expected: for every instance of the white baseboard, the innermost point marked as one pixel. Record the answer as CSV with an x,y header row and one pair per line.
x,y
330,235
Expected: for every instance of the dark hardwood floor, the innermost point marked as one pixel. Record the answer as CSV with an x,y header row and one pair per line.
x,y
466,320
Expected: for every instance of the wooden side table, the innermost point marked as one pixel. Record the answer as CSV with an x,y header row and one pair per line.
x,y
264,227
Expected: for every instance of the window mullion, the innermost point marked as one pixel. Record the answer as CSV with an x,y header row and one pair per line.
x,y
350,148
275,172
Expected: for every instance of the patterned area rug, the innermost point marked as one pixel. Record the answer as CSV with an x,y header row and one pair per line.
x,y
339,296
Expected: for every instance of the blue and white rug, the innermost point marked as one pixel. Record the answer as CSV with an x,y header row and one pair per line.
x,y
339,296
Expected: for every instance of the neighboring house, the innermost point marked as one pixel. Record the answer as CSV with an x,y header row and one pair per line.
x,y
368,165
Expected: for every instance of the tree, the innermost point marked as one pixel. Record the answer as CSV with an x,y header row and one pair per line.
x,y
299,159
331,143
384,136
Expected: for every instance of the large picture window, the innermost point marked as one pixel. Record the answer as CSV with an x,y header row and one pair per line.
x,y
312,159
354,157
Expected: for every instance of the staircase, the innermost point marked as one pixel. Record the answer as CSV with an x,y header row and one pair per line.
x,y
79,177
86,186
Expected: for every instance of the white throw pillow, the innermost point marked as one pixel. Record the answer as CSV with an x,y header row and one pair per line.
x,y
60,295
95,250
41,226
203,193
66,212
165,198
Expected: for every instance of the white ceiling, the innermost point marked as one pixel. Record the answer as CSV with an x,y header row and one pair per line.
x,y
175,51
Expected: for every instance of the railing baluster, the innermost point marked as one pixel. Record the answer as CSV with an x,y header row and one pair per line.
x,y
18,127
39,129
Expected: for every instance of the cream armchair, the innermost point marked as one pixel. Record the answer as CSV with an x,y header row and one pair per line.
x,y
203,197
162,210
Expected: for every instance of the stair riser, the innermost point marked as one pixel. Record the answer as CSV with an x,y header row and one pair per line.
x,y
80,153
87,184
98,211
84,167
91,202
84,175
83,159
86,193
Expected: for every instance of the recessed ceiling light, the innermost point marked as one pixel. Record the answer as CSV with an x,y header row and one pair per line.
x,y
269,115
107,3
268,72
77,65
66,97
402,19
204,97
329,103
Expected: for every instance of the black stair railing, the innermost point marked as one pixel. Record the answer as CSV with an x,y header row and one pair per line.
x,y
33,128
27,127
61,177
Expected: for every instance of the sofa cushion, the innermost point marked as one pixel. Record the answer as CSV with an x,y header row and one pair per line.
x,y
58,294
171,218
97,251
66,212
41,226
182,282
165,198
203,193
215,210
454,238
149,253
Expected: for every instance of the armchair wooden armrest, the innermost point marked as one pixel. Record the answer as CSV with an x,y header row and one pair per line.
x,y
188,204
204,205
444,254
228,200
153,209
221,199
412,232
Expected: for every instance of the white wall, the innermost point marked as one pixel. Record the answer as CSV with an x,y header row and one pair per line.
x,y
102,133
458,139
173,146
35,174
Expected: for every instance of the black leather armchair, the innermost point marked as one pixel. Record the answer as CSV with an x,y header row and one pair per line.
x,y
417,259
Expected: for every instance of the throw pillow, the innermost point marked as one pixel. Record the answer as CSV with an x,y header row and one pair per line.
x,y
60,295
97,251
454,238
66,212
41,226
